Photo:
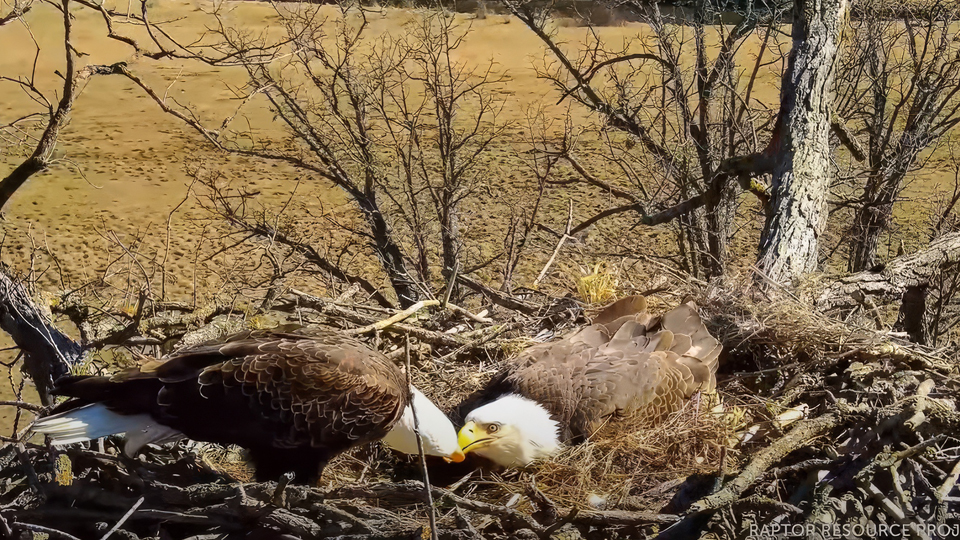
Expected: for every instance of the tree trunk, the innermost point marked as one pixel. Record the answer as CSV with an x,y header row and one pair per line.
x,y
718,216
33,165
881,192
707,230
40,158
801,145
390,254
914,316
47,352
871,220
450,238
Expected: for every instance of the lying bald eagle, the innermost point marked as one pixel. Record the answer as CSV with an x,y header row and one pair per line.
x,y
627,361
294,400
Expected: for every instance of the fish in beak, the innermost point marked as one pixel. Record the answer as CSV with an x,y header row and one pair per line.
x,y
473,437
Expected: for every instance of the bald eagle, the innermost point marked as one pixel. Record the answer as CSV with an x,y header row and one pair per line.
x,y
627,361
293,400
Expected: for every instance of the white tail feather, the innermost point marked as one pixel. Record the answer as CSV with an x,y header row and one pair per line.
x,y
94,421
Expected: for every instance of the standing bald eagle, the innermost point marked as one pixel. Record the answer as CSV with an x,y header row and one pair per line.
x,y
627,361
294,400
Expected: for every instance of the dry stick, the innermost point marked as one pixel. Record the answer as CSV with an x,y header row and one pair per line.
x,y
166,244
949,482
22,405
123,519
423,458
451,283
31,473
380,325
804,431
556,251
547,266
500,298
328,309
475,318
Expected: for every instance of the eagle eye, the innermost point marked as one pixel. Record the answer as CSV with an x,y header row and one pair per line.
x,y
493,428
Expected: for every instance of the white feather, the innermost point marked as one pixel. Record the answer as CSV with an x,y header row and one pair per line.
x,y
437,433
94,421
527,431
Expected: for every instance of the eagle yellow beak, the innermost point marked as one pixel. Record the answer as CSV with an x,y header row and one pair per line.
x,y
472,437
456,457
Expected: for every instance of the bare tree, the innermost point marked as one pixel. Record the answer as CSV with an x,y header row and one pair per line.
x,y
332,119
440,150
898,87
40,129
690,123
377,117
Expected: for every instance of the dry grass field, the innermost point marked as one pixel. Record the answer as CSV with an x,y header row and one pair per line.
x,y
126,163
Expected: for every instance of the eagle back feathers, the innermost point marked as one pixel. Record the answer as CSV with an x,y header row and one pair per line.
x,y
627,361
318,390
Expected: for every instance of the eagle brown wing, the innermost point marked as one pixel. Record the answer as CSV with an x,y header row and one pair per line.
x,y
311,395
628,361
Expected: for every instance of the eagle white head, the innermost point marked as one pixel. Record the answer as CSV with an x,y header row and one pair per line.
x,y
437,434
512,431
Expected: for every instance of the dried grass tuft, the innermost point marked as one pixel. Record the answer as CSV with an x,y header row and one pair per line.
x,y
599,286
784,327
230,460
625,463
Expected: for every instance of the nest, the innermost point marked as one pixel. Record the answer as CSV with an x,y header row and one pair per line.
x,y
806,404
633,462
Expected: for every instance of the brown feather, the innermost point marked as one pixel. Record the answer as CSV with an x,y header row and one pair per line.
x,y
627,361
294,399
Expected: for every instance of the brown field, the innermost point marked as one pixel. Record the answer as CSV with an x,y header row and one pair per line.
x,y
125,162
126,165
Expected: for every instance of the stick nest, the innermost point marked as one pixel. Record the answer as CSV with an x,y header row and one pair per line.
x,y
815,421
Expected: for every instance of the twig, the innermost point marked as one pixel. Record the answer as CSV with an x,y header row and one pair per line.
x,y
23,405
329,309
451,283
466,313
380,325
556,250
415,489
500,298
547,266
799,435
496,331
548,532
5,527
949,482
757,501
32,479
546,506
607,518
123,519
423,458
